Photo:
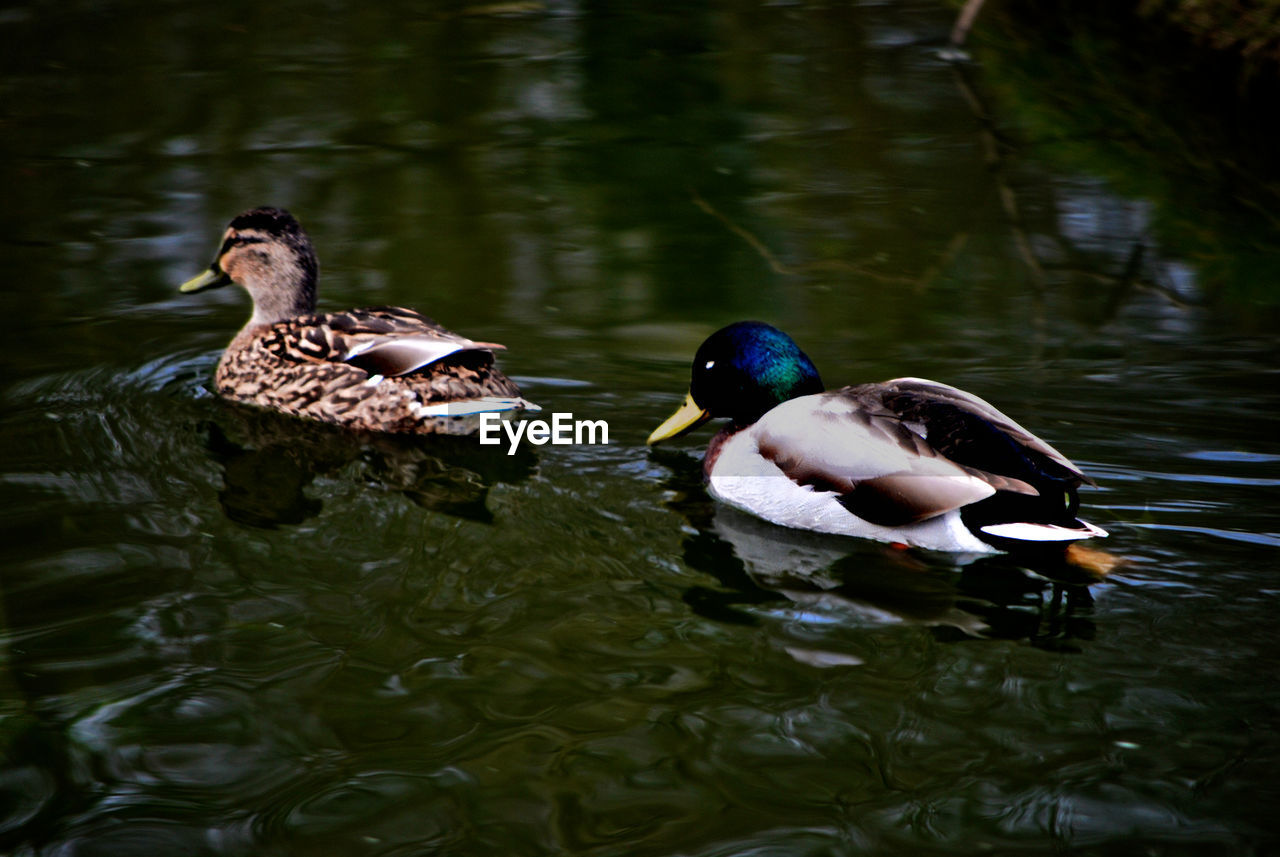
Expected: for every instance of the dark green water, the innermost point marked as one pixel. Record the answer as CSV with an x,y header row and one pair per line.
x,y
225,633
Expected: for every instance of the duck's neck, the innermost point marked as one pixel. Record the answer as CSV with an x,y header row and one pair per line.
x,y
279,305
282,282
271,309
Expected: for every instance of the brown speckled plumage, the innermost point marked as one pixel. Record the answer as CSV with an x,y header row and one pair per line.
x,y
380,369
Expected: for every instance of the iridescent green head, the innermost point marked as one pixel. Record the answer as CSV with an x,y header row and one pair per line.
x,y
741,372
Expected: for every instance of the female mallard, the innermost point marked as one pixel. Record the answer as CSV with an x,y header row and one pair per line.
x,y
908,460
382,369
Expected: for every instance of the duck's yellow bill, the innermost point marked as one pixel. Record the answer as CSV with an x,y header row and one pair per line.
x,y
211,278
688,417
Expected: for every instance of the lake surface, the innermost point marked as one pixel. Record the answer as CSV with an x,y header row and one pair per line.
x,y
227,633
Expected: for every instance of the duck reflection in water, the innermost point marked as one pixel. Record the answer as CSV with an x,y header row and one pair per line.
x,y
269,460
823,578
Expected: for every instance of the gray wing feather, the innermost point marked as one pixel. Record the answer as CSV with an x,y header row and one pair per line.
x,y
885,472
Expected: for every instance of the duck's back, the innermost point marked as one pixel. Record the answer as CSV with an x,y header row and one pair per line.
x,y
385,369
960,427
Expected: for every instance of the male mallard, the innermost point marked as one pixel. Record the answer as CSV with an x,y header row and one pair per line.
x,y
907,460
383,369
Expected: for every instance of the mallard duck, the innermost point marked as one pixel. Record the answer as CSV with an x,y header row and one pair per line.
x,y
381,369
907,461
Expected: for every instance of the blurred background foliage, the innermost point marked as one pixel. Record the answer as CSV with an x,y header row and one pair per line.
x,y
1250,29
1177,103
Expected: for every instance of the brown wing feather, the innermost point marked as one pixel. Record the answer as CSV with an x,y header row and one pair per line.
x,y
903,498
